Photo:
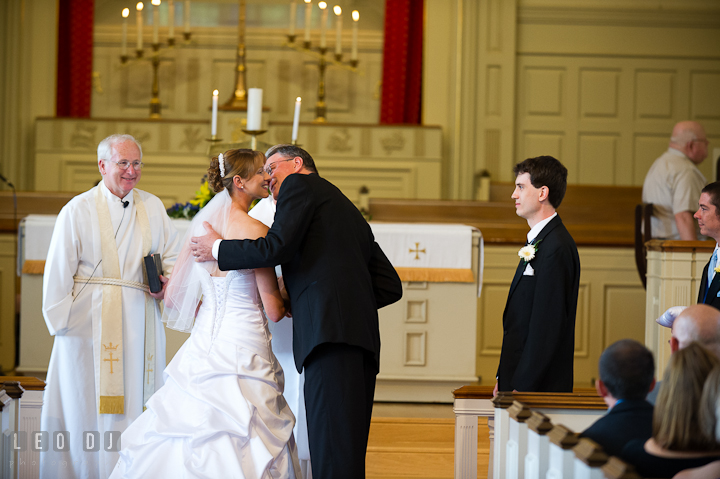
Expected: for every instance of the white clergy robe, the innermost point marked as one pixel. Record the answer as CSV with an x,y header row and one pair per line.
x,y
72,313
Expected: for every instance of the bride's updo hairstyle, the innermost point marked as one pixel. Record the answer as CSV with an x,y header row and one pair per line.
x,y
242,162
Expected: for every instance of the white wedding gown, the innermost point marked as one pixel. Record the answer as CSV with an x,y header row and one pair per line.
x,y
221,412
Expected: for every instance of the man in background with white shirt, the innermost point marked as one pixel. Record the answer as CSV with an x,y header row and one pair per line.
x,y
539,317
673,183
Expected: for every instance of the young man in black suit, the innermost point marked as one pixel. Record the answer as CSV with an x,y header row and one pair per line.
x,y
627,373
708,216
337,277
539,317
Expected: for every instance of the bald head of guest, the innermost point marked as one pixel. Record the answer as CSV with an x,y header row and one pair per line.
x,y
689,137
699,323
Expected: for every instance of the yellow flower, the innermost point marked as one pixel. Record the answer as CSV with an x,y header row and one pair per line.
x,y
203,195
717,269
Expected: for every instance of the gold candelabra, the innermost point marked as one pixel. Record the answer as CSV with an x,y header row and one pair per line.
x,y
157,51
320,105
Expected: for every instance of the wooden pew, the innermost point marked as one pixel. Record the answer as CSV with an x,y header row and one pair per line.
x,y
568,456
577,410
27,392
10,394
29,203
594,215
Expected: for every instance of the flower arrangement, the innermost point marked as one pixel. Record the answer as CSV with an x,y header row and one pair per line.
x,y
527,253
191,208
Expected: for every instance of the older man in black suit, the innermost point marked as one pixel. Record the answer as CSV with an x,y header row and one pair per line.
x,y
627,373
539,317
708,216
337,277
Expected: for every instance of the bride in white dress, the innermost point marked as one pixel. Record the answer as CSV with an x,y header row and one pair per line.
x,y
221,412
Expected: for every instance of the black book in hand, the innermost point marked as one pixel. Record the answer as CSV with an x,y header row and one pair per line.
x,y
153,270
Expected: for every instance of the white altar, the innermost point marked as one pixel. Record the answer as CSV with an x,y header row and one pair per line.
x,y
429,337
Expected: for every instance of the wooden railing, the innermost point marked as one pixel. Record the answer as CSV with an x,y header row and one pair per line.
x,y
20,416
530,436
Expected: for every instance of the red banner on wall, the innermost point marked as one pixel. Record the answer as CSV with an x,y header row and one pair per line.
x,y
402,62
74,57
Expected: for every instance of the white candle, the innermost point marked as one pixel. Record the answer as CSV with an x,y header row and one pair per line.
x,y
186,17
308,19
139,23
338,29
254,110
171,18
125,15
296,120
213,123
354,51
323,22
293,17
156,22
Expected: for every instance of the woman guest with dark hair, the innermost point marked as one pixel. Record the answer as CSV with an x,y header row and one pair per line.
x,y
680,438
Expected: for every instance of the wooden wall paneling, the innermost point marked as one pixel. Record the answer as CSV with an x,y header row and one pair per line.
x,y
8,290
611,306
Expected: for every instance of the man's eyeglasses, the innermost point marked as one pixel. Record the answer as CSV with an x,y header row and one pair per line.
x,y
125,164
271,167
701,140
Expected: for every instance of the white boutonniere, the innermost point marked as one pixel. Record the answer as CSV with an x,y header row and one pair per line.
x,y
527,253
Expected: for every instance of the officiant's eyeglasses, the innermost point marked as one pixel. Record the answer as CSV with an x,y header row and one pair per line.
x,y
125,164
271,167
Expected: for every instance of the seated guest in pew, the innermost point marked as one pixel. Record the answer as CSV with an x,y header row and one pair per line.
x,y
708,216
627,373
700,323
539,317
679,439
709,412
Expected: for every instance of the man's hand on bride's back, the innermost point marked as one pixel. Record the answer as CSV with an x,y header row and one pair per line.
x,y
201,246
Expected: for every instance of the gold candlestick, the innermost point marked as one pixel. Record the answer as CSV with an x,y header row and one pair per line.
x,y
238,101
320,106
253,137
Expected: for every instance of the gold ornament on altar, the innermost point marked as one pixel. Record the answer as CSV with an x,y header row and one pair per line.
x,y
320,105
157,50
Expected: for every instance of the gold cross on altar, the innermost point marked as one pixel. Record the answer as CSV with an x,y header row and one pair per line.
x,y
417,251
111,361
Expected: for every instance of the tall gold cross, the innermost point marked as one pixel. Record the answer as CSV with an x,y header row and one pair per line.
x,y
111,361
417,250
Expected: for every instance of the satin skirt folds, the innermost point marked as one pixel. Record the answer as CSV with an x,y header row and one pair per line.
x,y
221,412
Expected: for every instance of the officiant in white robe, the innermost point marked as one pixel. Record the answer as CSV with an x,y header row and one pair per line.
x,y
89,388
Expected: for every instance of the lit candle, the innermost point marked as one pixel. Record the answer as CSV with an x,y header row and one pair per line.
x,y
308,19
171,19
125,15
186,17
139,8
293,17
156,22
213,123
338,29
323,22
356,18
254,110
296,120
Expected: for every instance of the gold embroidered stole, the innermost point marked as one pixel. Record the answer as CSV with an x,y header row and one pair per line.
x,y
112,388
